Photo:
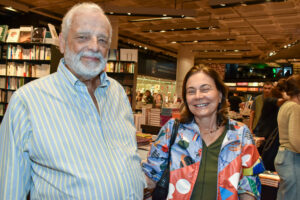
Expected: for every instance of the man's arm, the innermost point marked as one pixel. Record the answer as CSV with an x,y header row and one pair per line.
x,y
252,114
15,163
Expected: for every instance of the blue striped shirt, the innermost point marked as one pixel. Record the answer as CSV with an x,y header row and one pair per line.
x,y
55,144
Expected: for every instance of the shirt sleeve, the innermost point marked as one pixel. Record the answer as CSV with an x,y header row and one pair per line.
x,y
158,155
251,166
253,106
15,165
294,127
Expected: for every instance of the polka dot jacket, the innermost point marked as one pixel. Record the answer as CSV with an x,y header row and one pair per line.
x,y
239,162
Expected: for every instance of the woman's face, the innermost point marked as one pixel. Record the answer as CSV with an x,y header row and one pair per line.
x,y
202,96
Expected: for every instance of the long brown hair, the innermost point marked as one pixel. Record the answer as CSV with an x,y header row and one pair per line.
x,y
291,85
222,112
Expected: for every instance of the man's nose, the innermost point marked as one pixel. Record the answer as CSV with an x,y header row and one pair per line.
x,y
93,44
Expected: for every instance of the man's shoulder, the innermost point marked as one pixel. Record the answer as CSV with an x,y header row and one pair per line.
x,y
36,84
258,97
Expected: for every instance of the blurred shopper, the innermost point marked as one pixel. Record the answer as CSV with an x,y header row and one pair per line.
x,y
71,135
267,127
258,104
158,101
213,157
287,161
235,102
148,97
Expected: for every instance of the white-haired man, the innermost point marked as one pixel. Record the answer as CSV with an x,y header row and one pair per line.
x,y
71,134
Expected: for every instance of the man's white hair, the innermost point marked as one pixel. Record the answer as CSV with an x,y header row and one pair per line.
x,y
81,7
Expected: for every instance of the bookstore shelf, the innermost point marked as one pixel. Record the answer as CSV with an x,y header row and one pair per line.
x,y
21,63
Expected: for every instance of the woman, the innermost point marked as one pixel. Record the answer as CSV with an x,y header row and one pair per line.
x,y
158,101
287,161
225,148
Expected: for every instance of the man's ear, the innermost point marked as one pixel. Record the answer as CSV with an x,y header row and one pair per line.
x,y
62,43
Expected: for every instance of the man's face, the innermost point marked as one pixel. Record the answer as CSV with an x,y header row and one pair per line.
x,y
86,46
267,90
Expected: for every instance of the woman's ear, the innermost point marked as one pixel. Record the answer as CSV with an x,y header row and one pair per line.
x,y
220,97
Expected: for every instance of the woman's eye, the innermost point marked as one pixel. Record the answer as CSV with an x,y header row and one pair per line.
x,y
190,92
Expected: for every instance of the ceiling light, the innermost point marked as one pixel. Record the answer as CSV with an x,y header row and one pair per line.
x,y
236,50
162,31
173,42
195,41
223,4
128,13
182,16
150,19
111,13
164,15
10,8
285,46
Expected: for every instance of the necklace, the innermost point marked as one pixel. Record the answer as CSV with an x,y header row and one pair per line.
x,y
210,131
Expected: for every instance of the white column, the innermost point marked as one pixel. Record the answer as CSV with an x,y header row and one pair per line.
x,y
114,20
185,61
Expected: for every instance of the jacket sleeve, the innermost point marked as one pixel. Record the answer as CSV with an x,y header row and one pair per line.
x,y
251,166
15,179
158,155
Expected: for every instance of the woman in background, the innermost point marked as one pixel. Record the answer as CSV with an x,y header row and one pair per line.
x,y
158,101
287,161
213,157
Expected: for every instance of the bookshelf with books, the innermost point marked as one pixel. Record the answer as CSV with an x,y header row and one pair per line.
x,y
21,63
122,66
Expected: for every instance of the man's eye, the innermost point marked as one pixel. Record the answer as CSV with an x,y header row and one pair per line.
x,y
82,37
102,41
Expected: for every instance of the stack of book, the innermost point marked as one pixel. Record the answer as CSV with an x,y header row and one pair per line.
x,y
154,117
269,179
166,114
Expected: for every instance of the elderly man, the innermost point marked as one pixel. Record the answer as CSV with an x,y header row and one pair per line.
x,y
71,134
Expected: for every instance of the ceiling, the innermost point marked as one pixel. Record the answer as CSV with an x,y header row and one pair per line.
x,y
236,34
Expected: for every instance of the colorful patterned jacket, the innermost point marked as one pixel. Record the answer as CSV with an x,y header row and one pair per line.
x,y
239,162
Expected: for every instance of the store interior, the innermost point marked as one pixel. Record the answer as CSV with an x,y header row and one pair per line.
x,y
248,42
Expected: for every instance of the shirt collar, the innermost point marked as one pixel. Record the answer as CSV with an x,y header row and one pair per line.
x,y
74,80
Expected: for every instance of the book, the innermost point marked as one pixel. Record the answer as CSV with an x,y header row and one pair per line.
x,y
25,34
13,35
38,34
52,31
3,32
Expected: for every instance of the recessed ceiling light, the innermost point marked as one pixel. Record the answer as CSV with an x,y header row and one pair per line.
x,y
223,4
111,13
128,13
162,31
182,16
164,15
10,8
195,41
236,50
173,42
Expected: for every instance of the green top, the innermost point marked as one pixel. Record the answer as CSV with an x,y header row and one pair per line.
x,y
206,184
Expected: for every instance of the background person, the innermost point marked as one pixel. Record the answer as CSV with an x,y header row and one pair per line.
x,y
235,102
287,161
71,135
267,127
229,159
148,97
258,104
158,101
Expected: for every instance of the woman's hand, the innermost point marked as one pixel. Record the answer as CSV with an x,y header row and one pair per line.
x,y
246,196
